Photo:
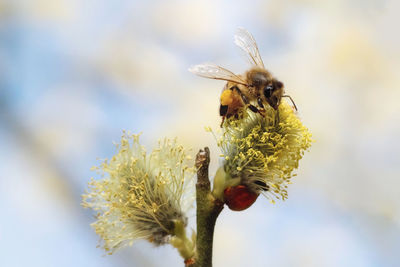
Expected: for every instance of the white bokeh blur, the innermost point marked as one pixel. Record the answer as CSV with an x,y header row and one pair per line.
x,y
74,74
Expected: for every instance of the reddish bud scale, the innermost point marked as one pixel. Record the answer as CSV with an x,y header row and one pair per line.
x,y
239,197
189,262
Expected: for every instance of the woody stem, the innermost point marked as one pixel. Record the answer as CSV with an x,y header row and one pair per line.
x,y
208,209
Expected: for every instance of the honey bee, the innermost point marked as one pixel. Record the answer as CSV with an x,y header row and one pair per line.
x,y
256,86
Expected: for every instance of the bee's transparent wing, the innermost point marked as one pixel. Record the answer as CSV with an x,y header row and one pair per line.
x,y
246,41
212,71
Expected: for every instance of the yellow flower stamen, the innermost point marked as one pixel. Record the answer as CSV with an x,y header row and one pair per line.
x,y
263,151
142,195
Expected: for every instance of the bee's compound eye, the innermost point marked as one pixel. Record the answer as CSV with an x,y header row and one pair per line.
x,y
268,91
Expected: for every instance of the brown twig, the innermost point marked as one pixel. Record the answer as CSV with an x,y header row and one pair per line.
x,y
208,209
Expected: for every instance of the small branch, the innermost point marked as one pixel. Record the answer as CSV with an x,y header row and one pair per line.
x,y
208,209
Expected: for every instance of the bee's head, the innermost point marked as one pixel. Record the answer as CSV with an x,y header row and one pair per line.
x,y
271,87
268,90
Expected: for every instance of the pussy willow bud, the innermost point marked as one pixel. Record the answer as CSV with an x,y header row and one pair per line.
x,y
141,196
261,152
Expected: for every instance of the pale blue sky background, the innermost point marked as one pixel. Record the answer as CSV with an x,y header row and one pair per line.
x,y
74,74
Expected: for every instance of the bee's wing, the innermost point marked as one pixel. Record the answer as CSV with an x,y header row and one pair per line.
x,y
212,71
246,41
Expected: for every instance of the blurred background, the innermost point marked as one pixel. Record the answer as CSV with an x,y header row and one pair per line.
x,y
74,74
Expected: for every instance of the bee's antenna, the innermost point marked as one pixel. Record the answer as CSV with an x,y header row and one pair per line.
x,y
291,100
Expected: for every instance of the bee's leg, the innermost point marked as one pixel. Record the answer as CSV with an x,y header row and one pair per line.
x,y
260,104
222,122
277,117
254,108
257,110
259,101
247,102
291,100
223,110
